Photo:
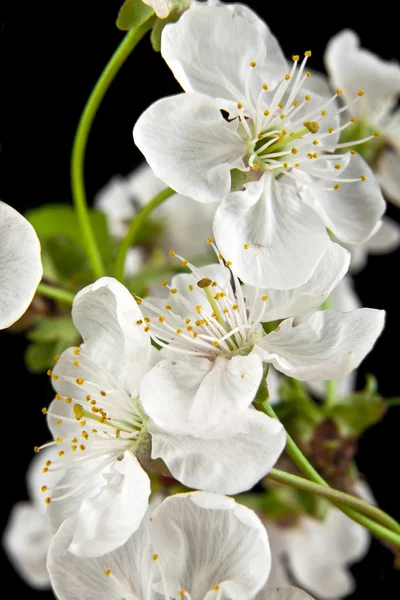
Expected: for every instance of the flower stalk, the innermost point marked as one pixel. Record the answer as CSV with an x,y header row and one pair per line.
x,y
119,57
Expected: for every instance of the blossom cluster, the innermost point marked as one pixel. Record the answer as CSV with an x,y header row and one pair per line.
x,y
164,384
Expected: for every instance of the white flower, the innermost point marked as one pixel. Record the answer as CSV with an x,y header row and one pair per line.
x,y
278,136
194,546
100,429
186,224
316,554
162,8
20,265
351,68
27,536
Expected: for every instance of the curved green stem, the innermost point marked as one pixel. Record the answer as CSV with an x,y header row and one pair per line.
x,y
81,136
307,469
330,392
55,293
334,495
134,228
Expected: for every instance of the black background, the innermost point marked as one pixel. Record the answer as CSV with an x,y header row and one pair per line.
x,y
54,52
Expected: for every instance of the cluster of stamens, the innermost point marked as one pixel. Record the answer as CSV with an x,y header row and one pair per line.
x,y
107,423
283,133
228,328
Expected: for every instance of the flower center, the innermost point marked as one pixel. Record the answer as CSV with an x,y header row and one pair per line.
x,y
98,423
287,132
217,320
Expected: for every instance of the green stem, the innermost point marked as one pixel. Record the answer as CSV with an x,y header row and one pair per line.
x,y
307,469
134,228
55,293
335,496
330,392
81,136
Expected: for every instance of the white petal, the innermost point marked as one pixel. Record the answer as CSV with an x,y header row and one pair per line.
x,y
326,346
79,578
386,239
352,68
228,465
319,553
198,149
286,235
162,8
388,174
344,298
107,520
283,593
203,540
105,314
195,396
36,479
115,201
344,386
20,265
26,540
210,50
307,297
352,211
274,380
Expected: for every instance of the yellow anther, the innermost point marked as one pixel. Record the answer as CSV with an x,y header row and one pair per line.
x,y
146,329
280,105
48,463
184,263
80,381
226,310
330,130
216,588
307,53
78,412
376,133
44,470
220,256
59,422
44,488
294,150
214,284
282,116
315,155
44,410
253,63
74,448
139,322
85,435
161,319
337,166
309,155
361,92
295,57
204,283
323,113
55,377
47,500
246,246
239,105
198,308
264,298
187,321
107,572
264,86
352,120
179,331
312,126
228,263
82,447
336,186
49,372
61,453
182,593
58,396
168,307
316,142
256,166
74,440
76,363
164,283
138,301
296,103
146,320
189,329
353,152
57,357
173,290
87,398
339,91
195,334
308,74
215,343
82,423
285,165
94,431
287,77
76,351
36,449
154,557
190,288
266,113
93,402
209,240
172,252
235,307
307,97
363,177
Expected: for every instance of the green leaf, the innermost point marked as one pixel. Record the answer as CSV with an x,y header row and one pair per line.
x,y
357,412
59,222
52,329
307,501
40,357
132,14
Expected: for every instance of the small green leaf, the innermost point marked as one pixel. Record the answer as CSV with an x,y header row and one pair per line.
x,y
132,14
357,412
50,337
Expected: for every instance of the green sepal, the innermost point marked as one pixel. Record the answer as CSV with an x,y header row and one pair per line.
x,y
133,13
50,337
357,412
178,7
